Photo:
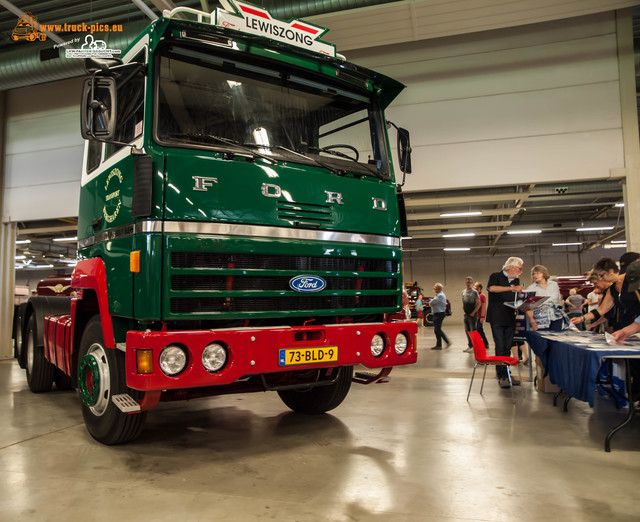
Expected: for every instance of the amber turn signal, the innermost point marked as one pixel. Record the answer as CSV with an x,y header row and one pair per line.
x,y
144,361
134,262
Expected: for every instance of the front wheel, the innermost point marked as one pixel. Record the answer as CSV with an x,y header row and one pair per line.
x,y
320,399
428,319
101,375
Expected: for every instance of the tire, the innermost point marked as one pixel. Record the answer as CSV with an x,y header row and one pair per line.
x,y
40,372
428,319
314,401
17,341
101,375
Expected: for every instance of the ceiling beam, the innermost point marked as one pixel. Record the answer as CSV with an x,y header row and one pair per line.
x,y
462,200
47,230
519,204
457,226
143,7
436,215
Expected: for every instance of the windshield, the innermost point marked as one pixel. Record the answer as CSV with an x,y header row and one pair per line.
x,y
278,114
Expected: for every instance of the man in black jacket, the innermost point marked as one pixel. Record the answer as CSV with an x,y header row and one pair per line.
x,y
501,287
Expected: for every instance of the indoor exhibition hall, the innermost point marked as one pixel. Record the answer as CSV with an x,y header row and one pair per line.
x,y
337,261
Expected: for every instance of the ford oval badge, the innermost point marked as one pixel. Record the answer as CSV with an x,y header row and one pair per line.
x,y
307,283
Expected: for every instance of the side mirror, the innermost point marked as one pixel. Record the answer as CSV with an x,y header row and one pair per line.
x,y
404,150
98,109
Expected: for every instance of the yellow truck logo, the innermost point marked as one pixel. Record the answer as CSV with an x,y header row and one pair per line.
x,y
28,29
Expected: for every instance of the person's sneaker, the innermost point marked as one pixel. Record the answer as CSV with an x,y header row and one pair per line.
x,y
436,347
447,345
468,350
504,382
514,381
527,362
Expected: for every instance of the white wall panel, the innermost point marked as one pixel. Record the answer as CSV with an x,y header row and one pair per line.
x,y
52,200
43,152
537,159
536,104
413,20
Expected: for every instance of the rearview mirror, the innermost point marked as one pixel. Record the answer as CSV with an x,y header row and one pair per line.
x,y
98,109
404,150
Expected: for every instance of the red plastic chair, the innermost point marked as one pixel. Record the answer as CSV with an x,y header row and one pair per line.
x,y
482,359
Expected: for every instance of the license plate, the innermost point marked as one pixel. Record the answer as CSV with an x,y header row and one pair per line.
x,y
293,356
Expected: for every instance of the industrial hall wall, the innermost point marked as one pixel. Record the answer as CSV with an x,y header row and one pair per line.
x,y
43,151
527,104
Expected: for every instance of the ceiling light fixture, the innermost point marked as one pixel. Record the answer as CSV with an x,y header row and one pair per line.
x,y
593,229
620,242
567,244
514,232
75,238
611,245
23,241
462,234
461,214
457,249
619,205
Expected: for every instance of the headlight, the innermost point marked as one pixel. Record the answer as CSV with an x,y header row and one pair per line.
x,y
173,359
377,345
401,343
214,357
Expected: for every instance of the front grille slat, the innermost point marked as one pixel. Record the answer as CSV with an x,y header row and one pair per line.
x,y
356,285
191,305
220,283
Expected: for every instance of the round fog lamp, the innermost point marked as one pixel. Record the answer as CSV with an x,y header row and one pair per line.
x,y
401,343
214,357
173,360
377,345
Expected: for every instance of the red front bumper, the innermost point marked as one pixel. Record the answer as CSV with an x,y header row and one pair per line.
x,y
252,351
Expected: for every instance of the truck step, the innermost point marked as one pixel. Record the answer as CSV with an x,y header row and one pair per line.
x,y
125,403
370,378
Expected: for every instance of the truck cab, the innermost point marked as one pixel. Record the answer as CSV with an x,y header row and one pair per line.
x,y
239,223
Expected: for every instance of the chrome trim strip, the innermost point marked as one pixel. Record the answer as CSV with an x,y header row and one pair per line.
x,y
141,227
227,229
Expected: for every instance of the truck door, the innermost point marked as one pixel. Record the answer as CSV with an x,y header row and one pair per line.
x,y
105,221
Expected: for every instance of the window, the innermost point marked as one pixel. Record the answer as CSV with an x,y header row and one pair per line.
x,y
130,108
208,101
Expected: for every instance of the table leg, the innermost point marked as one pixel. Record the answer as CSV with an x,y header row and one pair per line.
x,y
555,398
565,408
627,385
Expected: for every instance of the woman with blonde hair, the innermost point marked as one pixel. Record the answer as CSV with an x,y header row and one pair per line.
x,y
548,316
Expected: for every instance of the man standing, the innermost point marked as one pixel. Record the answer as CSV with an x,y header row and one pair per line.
x,y
482,313
438,307
470,306
501,287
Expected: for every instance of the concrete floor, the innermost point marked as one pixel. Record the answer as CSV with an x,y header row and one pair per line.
x,y
409,450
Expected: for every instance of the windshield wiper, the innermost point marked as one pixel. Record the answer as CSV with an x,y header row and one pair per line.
x,y
220,139
296,153
375,172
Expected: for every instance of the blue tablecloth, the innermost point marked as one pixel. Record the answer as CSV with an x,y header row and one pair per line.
x,y
572,359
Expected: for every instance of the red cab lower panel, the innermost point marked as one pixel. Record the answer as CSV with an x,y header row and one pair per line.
x,y
253,351
57,341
